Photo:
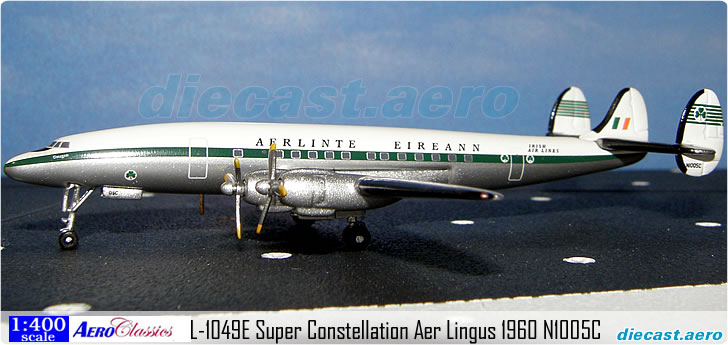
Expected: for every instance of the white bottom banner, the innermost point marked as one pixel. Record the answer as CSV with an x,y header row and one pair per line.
x,y
366,326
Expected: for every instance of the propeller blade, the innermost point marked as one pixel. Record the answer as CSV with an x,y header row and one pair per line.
x,y
272,162
282,192
263,214
237,171
237,217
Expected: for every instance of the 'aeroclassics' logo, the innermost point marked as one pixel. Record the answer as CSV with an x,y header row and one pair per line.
x,y
122,327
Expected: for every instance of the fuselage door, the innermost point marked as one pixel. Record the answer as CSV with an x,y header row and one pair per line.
x,y
197,156
516,166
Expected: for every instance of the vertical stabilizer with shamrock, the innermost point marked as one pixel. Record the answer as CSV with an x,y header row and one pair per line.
x,y
701,126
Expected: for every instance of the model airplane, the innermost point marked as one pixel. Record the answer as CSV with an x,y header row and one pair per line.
x,y
326,171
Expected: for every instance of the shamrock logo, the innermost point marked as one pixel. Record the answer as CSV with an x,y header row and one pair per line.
x,y
700,113
130,175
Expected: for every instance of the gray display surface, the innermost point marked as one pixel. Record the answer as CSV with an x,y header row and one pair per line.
x,y
161,254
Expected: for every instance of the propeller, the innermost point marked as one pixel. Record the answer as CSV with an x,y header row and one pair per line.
x,y
233,185
273,187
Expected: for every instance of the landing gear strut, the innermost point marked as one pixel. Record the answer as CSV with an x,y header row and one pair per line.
x,y
356,236
72,200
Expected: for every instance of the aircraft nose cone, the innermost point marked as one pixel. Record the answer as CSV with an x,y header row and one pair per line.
x,y
11,168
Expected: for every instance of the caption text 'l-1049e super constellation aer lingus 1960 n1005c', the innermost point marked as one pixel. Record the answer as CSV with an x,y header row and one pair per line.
x,y
327,171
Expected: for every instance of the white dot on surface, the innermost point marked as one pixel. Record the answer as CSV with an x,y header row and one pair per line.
x,y
708,224
276,255
540,198
579,260
640,183
462,222
147,194
67,308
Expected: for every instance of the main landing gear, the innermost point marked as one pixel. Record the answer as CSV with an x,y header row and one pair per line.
x,y
72,200
356,236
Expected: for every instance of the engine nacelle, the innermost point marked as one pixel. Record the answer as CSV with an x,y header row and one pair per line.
x,y
252,194
310,188
313,192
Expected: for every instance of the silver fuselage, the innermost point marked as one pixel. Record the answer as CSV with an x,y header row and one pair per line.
x,y
194,157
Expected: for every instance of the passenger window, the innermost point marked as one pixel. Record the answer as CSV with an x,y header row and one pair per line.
x,y
371,156
435,157
295,154
312,154
468,158
402,156
329,154
346,155
419,156
384,156
238,153
279,153
452,157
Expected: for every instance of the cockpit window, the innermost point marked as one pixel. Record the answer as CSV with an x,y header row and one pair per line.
x,y
56,143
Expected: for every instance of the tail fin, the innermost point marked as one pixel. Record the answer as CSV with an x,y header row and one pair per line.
x,y
626,119
570,114
699,142
701,126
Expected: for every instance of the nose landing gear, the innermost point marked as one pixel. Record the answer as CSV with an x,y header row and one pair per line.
x,y
72,200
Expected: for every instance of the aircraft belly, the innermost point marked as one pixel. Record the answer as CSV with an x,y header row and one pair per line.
x,y
506,175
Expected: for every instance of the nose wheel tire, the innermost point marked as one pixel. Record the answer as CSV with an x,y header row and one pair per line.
x,y
68,240
356,236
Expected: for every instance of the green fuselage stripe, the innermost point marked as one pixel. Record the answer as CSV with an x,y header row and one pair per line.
x,y
214,152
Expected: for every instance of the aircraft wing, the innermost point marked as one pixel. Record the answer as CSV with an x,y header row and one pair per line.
x,y
380,186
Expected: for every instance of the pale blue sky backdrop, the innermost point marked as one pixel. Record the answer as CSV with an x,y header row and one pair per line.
x,y
72,67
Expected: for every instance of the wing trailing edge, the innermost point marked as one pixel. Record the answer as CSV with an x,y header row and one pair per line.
x,y
386,187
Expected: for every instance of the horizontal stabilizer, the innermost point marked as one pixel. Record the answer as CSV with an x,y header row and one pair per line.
x,y
701,154
375,186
